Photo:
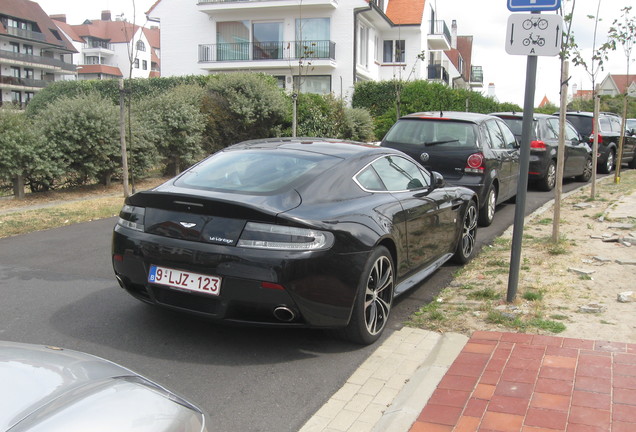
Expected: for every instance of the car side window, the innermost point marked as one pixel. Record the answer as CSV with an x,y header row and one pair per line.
x,y
399,174
552,129
605,124
368,178
571,134
508,136
616,124
497,140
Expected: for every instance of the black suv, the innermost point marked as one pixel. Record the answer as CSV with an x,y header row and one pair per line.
x,y
477,151
608,138
544,145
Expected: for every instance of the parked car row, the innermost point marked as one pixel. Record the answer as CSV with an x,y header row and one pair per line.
x,y
314,232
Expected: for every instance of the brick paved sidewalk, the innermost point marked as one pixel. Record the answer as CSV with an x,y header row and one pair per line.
x,y
530,383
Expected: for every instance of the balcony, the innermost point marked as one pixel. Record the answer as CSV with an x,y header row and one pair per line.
x,y
438,73
41,62
439,37
259,51
13,83
26,34
476,77
98,47
213,6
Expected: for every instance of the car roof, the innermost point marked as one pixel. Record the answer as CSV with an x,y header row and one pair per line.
x,y
338,148
514,114
449,115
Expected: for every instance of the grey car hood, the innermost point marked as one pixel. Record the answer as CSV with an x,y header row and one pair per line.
x,y
52,389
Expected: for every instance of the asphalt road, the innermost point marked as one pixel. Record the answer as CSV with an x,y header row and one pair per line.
x,y
57,288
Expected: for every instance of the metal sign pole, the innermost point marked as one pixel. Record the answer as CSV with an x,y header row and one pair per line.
x,y
522,185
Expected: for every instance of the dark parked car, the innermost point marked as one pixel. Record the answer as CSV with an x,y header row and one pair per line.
x,y
296,232
51,389
608,138
472,150
544,145
631,126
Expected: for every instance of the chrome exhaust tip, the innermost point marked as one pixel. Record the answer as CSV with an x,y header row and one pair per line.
x,y
285,314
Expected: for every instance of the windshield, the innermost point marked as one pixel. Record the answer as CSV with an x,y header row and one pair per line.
x,y
436,132
255,171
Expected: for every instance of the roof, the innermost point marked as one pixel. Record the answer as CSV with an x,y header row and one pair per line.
x,y
68,30
96,69
30,11
465,49
623,82
545,101
152,7
153,36
112,31
405,11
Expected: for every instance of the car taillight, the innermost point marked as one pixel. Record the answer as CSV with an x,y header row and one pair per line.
x,y
600,138
280,237
132,217
475,163
537,145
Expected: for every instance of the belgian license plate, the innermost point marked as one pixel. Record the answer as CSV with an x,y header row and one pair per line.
x,y
185,280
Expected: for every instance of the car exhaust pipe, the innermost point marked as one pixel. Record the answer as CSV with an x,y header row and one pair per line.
x,y
120,281
283,313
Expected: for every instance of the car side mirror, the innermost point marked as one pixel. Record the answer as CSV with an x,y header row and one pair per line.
x,y
438,180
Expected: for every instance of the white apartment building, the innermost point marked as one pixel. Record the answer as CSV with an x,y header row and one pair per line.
x,y
32,52
323,46
106,47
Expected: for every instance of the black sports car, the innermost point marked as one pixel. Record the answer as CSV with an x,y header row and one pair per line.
x,y
297,232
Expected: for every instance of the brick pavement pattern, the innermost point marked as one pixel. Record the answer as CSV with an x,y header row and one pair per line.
x,y
532,383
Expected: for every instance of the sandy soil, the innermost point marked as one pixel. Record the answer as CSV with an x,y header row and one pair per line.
x,y
578,279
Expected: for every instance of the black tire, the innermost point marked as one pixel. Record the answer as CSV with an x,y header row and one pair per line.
x,y
608,166
632,163
467,240
586,175
372,305
487,210
547,182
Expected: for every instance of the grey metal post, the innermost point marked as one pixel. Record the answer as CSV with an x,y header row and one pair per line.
x,y
522,186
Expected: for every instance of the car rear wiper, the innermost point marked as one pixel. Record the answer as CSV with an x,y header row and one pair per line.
x,y
440,142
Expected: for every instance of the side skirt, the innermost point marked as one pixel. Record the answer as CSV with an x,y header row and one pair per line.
x,y
416,278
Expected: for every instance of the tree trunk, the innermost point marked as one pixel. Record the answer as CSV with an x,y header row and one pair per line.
x,y
18,186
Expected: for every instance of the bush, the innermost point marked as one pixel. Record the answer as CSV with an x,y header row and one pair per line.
x,y
81,139
358,125
175,126
242,106
20,149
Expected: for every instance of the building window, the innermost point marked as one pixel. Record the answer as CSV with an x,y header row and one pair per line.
x,y
314,35
232,40
393,51
363,51
280,81
141,46
268,40
28,73
144,64
15,47
28,96
320,84
15,72
16,97
28,49
136,63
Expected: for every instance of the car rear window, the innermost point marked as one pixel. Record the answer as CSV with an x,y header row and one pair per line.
x,y
433,132
582,124
255,171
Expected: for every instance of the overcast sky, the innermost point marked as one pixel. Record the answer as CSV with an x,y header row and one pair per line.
x,y
485,20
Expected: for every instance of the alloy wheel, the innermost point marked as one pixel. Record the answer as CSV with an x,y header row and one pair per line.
x,y
378,295
469,231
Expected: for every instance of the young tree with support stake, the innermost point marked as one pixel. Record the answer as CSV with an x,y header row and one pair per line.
x,y
622,33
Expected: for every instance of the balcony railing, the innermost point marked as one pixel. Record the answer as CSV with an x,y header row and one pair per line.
x,y
26,34
98,44
439,36
42,60
23,82
244,51
438,73
476,75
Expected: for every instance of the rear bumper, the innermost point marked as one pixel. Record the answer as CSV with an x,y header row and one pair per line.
x,y
317,287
